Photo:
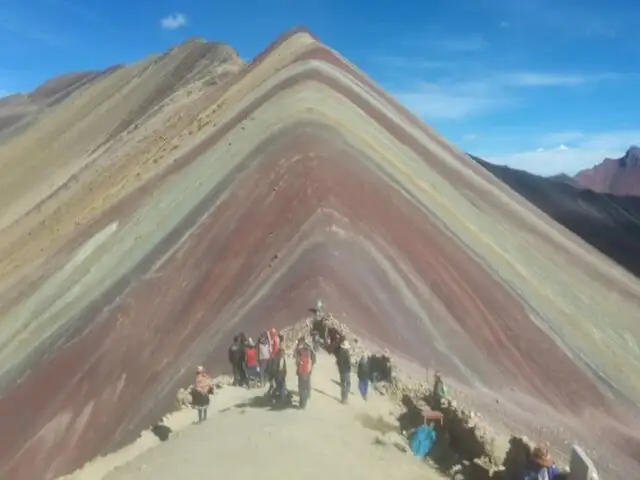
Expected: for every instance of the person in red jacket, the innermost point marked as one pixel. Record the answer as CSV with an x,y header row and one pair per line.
x,y
251,362
305,360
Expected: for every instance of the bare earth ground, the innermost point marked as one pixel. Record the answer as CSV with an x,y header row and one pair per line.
x,y
240,441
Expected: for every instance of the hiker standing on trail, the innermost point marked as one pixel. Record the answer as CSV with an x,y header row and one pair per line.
x,y
363,376
280,375
264,354
343,360
235,358
251,361
201,390
305,360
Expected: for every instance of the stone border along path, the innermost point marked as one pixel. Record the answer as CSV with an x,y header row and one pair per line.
x,y
473,440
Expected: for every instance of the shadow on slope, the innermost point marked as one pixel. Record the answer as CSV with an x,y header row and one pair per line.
x,y
609,223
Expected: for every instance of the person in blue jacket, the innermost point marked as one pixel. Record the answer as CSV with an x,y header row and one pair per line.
x,y
542,465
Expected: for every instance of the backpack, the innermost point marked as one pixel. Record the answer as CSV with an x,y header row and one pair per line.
x,y
304,362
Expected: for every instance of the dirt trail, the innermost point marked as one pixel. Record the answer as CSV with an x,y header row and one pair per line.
x,y
243,438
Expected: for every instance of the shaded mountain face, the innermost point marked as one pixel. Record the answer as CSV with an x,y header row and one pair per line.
x,y
608,222
160,209
619,176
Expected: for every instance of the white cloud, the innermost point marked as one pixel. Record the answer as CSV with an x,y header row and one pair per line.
x,y
442,42
584,151
450,101
477,94
572,19
548,79
409,63
174,21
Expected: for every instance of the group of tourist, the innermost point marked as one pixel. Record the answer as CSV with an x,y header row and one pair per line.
x,y
266,363
262,363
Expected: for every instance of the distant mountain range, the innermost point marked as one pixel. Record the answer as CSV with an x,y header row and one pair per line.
x,y
608,222
619,176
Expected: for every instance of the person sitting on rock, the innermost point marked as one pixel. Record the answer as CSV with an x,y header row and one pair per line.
x,y
200,395
251,361
439,390
305,358
343,360
542,465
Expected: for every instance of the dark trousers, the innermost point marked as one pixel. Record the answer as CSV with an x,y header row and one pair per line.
x,y
237,375
201,402
363,386
252,372
304,389
280,388
202,414
345,386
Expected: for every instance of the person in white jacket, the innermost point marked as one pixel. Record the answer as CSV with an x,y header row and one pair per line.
x,y
264,354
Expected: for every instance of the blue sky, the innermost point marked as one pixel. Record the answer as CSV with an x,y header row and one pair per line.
x,y
542,85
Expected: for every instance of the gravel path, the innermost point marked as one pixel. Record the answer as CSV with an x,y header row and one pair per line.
x,y
241,440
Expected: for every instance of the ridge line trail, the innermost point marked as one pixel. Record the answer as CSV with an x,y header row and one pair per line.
x,y
240,440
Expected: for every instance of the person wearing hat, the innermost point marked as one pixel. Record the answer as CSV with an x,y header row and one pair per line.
x,y
343,361
201,390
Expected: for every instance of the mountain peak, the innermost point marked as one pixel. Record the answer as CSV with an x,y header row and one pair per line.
x,y
631,158
618,176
